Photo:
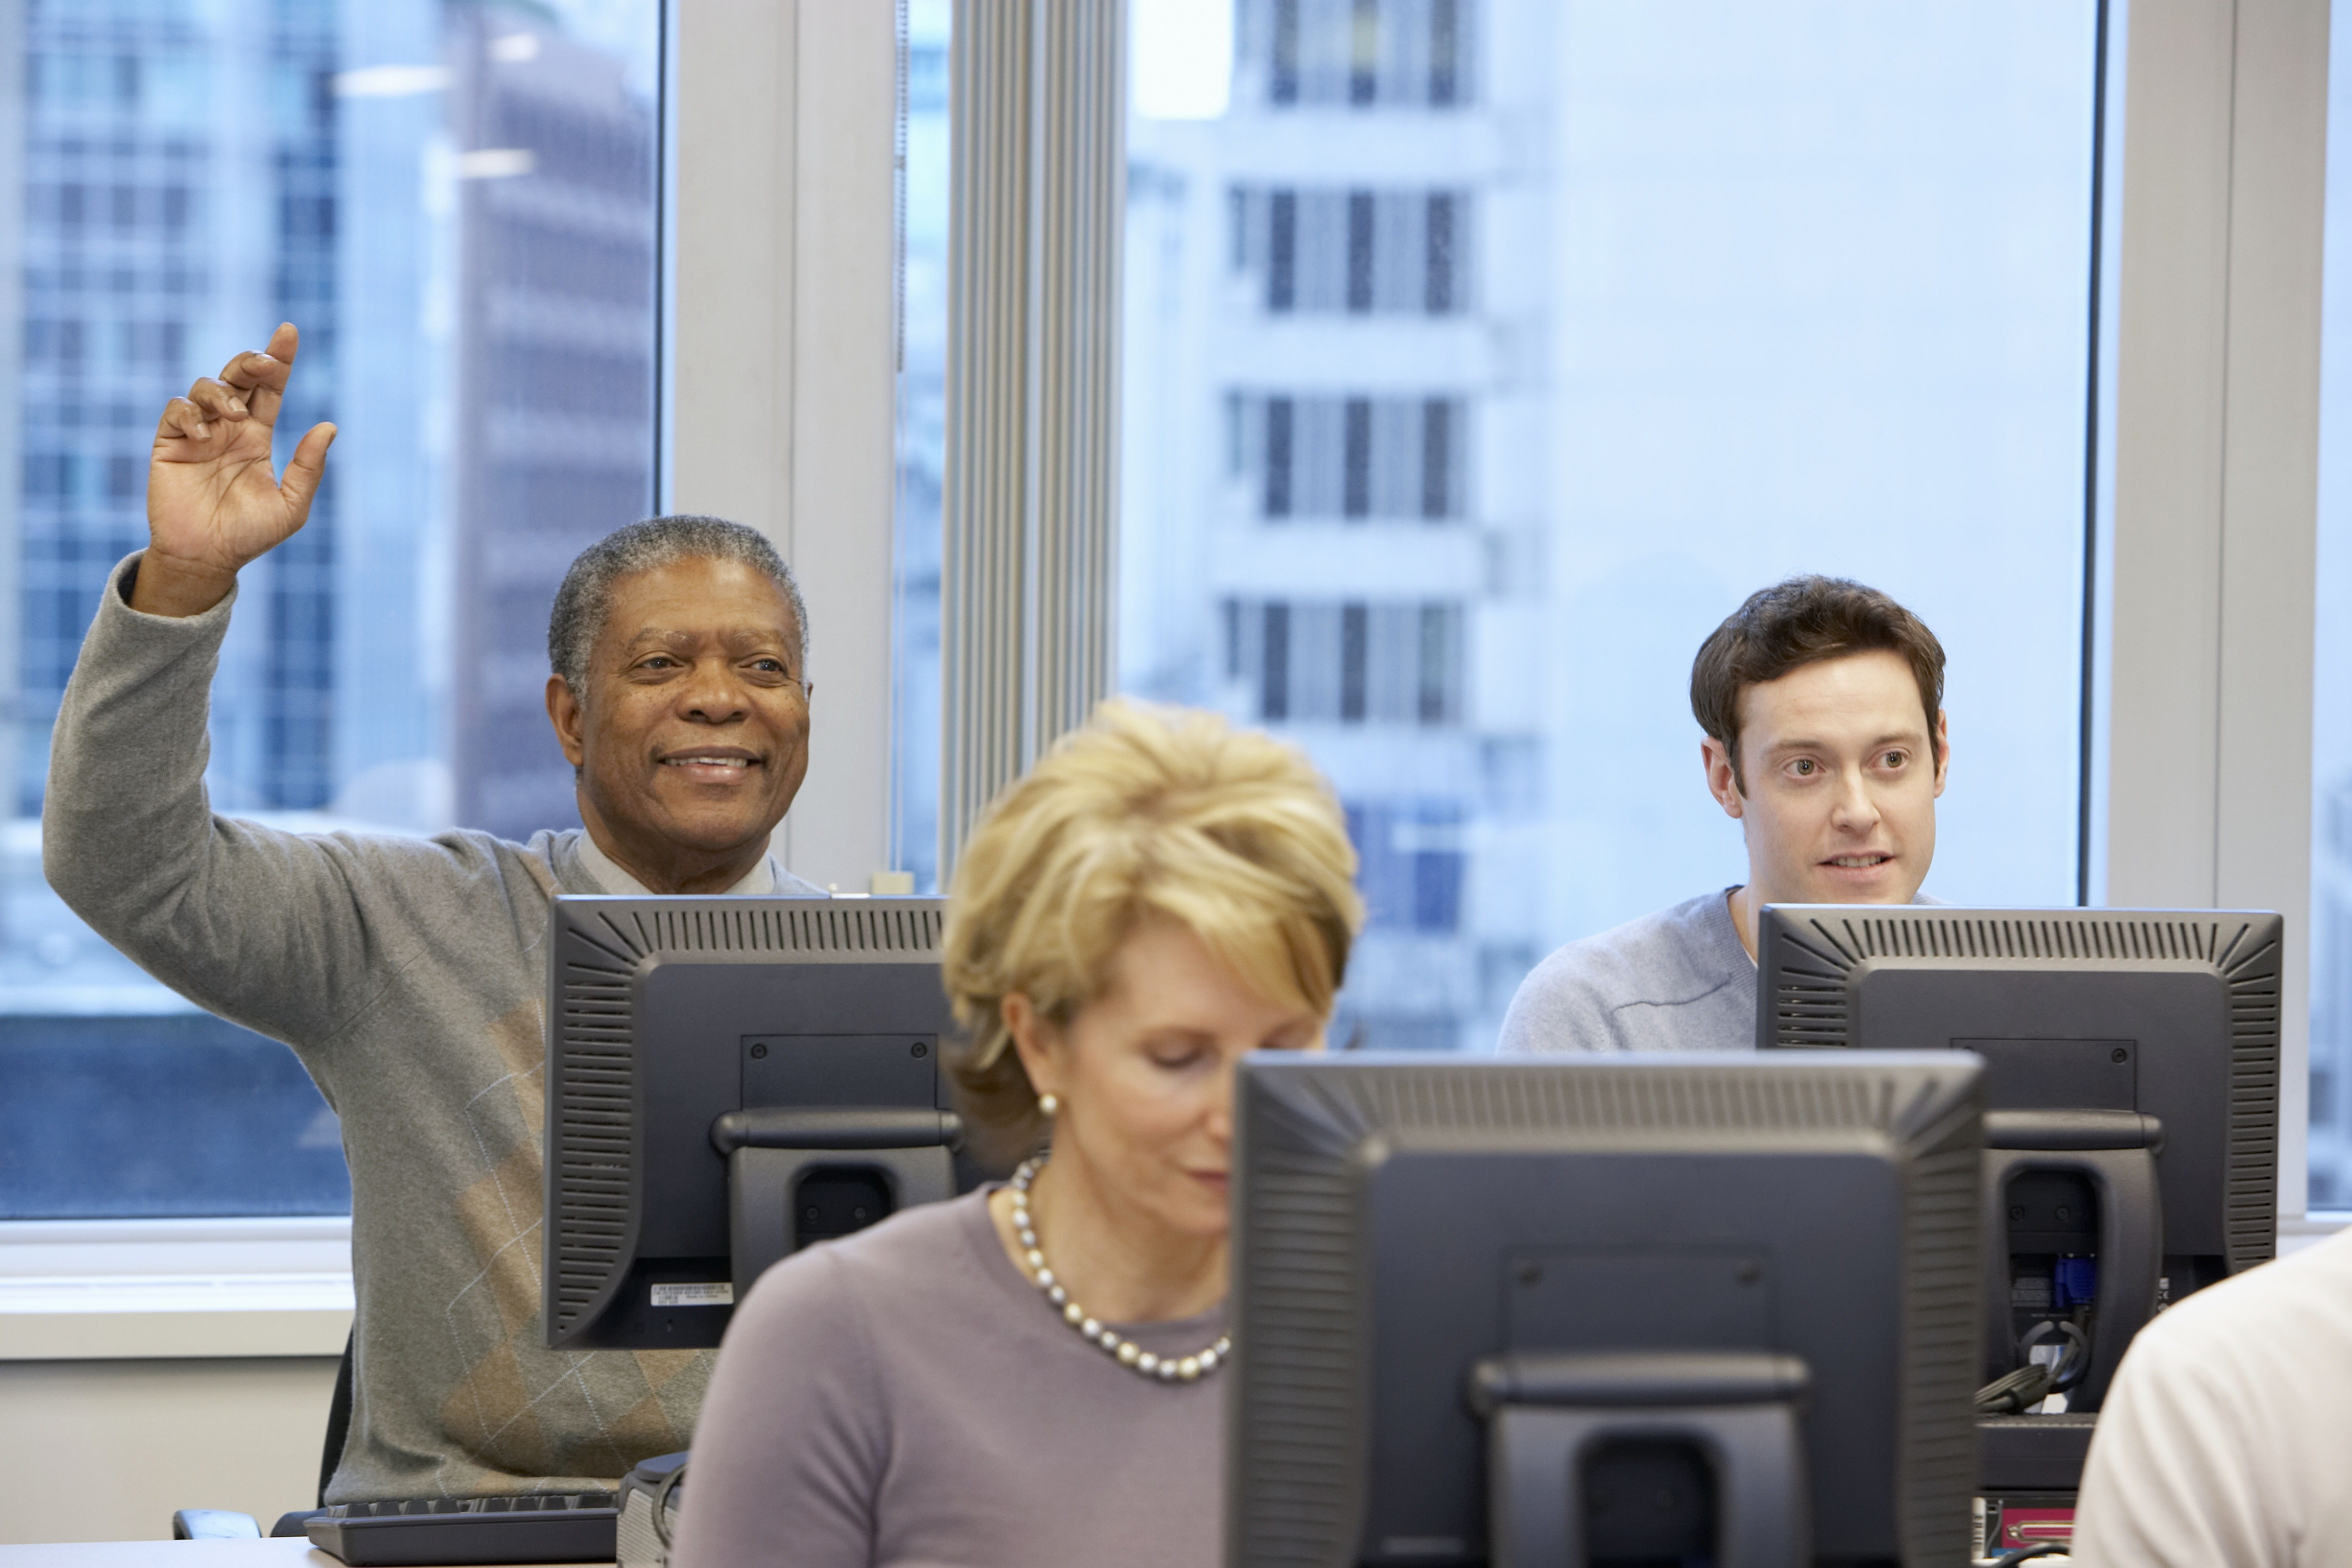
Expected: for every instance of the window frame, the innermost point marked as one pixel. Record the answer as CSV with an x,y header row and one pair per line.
x,y
2207,653
795,99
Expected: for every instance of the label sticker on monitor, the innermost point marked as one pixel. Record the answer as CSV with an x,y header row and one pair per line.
x,y
719,1293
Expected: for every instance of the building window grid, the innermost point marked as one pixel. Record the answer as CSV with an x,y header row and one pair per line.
x,y
113,210
1383,256
1321,251
104,331
1352,54
297,678
1355,457
1348,662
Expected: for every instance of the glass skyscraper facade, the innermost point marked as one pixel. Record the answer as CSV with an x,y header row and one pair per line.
x,y
153,232
457,204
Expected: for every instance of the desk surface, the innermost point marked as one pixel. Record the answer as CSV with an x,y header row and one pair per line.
x,y
283,1553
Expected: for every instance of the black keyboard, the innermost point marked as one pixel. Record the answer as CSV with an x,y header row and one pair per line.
x,y
552,1526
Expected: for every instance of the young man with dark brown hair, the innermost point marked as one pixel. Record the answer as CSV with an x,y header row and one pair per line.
x,y
1822,705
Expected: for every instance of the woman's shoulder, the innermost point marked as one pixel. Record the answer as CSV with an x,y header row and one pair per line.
x,y
907,1258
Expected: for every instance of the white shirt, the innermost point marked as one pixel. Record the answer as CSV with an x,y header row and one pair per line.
x,y
2226,1441
762,877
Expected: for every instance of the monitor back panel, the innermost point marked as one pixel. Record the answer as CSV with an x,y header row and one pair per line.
x,y
1396,1220
2174,1014
666,1013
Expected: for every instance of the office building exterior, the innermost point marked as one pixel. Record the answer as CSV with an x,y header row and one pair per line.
x,y
455,203
1318,519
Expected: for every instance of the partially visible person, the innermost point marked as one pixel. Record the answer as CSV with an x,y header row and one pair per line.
x,y
409,974
2224,1440
1029,1374
1822,703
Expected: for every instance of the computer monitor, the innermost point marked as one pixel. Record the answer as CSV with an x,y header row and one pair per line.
x,y
728,1079
2131,1077
1602,1308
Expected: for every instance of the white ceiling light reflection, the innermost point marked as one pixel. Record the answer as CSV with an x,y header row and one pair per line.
x,y
1183,57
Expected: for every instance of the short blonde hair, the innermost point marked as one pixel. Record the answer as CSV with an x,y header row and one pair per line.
x,y
1145,811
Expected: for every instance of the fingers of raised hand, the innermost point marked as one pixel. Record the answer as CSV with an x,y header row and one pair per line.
x,y
218,400
305,469
264,367
182,419
260,381
257,369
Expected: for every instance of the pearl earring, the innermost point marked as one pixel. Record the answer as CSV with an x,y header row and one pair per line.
x,y
1049,1105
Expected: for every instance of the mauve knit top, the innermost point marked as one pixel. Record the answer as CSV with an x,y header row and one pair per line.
x,y
905,1399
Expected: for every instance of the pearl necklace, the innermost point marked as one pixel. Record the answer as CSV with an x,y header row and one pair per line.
x,y
1126,1352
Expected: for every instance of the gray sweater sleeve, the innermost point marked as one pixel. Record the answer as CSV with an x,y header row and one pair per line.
x,y
266,928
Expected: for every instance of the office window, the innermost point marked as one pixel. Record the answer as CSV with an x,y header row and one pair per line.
x,y
2330,1165
457,205
1648,306
921,439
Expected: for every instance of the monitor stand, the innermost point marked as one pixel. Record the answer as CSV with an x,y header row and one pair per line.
x,y
2116,1151
770,1150
1548,1415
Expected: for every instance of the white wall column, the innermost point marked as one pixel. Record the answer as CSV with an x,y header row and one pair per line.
x,y
2216,455
781,358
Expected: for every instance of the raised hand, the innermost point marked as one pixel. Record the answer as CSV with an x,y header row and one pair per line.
x,y
213,501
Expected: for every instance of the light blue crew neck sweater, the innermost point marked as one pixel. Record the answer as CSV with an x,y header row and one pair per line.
x,y
1676,981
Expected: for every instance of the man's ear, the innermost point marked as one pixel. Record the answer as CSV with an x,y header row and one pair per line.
x,y
1943,752
1721,781
563,713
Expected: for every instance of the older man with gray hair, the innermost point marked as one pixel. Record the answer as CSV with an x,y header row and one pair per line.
x,y
407,974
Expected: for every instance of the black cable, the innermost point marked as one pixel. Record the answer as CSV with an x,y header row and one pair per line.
x,y
2010,1559
661,1503
2019,1390
2030,1385
2073,1362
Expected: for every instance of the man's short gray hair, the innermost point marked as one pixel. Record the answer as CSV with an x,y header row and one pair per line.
x,y
585,601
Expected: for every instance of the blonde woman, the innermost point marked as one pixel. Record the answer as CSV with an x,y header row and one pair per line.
x,y
1030,1376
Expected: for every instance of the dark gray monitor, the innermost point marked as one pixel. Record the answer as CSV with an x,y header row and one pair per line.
x,y
2131,1076
729,1079
1602,1309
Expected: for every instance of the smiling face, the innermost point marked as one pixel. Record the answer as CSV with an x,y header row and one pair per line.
x,y
693,736
1145,1075
1842,782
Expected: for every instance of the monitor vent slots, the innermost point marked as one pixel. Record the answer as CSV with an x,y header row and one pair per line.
x,y
593,1140
1309,1379
783,926
2250,1207
2063,936
1512,1099
1943,1239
